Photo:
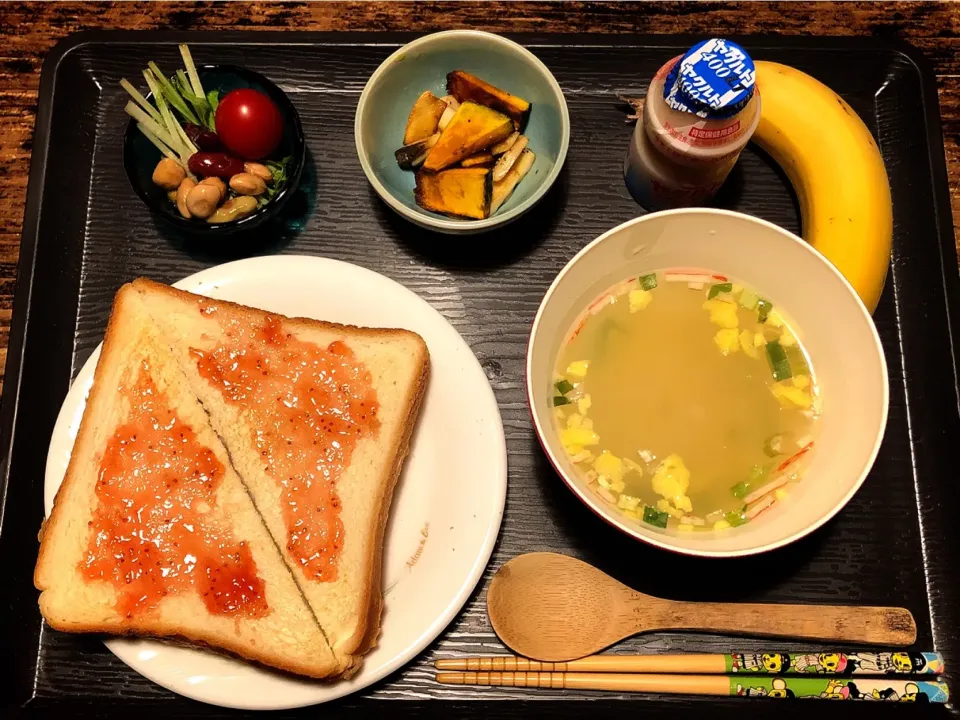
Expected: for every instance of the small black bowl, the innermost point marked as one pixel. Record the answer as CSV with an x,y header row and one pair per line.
x,y
140,156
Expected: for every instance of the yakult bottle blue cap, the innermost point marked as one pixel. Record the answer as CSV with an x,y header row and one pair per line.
x,y
715,79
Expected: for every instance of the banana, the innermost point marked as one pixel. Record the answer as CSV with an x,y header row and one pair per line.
x,y
836,170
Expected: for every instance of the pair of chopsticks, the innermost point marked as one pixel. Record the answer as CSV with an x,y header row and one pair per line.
x,y
831,675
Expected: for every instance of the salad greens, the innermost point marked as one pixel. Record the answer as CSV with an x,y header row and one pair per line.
x,y
277,168
182,93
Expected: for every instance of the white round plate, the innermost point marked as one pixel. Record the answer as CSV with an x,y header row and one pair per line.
x,y
446,511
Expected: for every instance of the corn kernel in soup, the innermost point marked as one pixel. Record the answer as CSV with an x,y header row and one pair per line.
x,y
686,400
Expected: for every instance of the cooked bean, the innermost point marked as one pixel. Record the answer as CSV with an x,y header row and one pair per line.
x,y
168,174
261,171
234,209
217,183
186,186
247,184
203,200
214,163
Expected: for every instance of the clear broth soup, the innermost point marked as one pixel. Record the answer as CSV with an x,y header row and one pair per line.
x,y
686,399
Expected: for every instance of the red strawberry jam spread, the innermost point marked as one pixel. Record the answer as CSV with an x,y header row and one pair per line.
x,y
309,406
152,532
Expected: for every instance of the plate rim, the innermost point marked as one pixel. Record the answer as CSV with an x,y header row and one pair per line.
x,y
206,278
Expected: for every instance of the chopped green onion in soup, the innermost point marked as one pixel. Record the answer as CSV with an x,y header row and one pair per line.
x,y
740,490
778,361
719,288
654,517
749,299
763,310
797,360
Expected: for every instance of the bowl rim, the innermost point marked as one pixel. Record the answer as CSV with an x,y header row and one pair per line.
x,y
585,496
191,225
448,224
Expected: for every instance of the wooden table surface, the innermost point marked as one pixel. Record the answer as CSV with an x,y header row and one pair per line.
x,y
32,28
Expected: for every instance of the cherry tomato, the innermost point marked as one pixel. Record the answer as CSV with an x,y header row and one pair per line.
x,y
214,163
249,123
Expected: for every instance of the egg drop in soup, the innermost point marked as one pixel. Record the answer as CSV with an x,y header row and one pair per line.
x,y
686,400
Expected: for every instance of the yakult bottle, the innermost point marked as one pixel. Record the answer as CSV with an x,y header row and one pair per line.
x,y
699,113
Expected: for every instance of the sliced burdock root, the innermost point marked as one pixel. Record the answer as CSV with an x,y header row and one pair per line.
x,y
413,155
501,147
503,189
507,160
452,105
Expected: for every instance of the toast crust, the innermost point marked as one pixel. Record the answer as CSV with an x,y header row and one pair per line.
x,y
212,641
364,634
365,637
111,347
145,285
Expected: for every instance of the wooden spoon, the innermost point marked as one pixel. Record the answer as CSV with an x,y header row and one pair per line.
x,y
555,608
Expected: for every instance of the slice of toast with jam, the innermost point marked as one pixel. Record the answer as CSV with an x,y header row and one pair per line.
x,y
152,531
317,418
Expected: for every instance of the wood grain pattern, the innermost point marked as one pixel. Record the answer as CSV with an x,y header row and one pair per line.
x,y
555,608
610,682
607,662
32,28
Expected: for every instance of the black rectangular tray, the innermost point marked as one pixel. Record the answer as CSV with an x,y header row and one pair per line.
x,y
85,233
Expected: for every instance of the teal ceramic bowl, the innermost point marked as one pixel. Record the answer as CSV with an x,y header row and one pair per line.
x,y
423,65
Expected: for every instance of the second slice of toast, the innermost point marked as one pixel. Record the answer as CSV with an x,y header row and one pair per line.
x,y
317,418
152,532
